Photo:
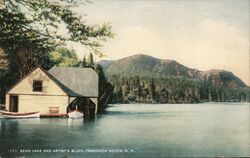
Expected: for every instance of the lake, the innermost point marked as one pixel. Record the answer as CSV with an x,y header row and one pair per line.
x,y
134,130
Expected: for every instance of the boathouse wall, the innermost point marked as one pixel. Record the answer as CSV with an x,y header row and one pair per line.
x,y
29,100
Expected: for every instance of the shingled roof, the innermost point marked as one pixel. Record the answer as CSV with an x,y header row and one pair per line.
x,y
76,81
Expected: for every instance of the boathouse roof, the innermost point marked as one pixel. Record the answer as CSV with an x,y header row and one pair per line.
x,y
76,81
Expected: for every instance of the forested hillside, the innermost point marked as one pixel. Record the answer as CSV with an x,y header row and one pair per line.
x,y
145,79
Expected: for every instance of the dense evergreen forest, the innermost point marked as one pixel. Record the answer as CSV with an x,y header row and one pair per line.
x,y
158,89
144,79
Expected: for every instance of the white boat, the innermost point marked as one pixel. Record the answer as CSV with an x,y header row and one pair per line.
x,y
6,114
75,114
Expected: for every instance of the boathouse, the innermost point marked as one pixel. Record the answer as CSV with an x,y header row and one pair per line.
x,y
55,92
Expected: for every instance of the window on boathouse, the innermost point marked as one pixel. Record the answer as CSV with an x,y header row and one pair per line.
x,y
37,86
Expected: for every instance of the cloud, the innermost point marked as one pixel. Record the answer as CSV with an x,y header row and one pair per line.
x,y
133,40
221,35
221,45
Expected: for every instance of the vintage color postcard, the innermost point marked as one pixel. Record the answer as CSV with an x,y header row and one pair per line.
x,y
124,78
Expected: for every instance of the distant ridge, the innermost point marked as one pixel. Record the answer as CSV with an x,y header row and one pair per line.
x,y
106,63
221,78
144,64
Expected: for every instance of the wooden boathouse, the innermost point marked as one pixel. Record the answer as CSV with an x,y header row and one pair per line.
x,y
56,92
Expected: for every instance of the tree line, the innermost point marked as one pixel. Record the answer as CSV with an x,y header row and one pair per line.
x,y
158,89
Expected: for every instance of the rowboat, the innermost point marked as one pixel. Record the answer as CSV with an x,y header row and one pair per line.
x,y
6,114
75,114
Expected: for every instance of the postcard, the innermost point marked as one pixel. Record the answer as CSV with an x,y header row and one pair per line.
x,y
124,78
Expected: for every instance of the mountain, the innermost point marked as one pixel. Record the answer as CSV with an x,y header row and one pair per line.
x,y
221,78
106,63
146,65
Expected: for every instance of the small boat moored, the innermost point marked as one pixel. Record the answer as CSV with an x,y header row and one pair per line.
x,y
75,114
6,114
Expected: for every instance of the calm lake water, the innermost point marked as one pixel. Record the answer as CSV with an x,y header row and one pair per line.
x,y
134,130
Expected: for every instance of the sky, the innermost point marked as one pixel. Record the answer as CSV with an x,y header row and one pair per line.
x,y
200,34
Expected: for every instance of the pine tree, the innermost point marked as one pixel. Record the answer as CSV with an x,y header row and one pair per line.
x,y
91,60
152,90
102,79
119,95
126,88
209,95
84,61
138,86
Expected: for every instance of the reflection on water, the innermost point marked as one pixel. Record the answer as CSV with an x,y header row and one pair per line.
x,y
138,130
75,122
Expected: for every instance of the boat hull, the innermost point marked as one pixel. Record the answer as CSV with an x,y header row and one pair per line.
x,y
75,114
16,115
